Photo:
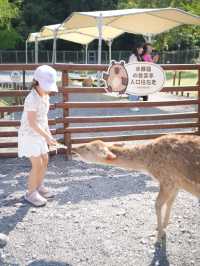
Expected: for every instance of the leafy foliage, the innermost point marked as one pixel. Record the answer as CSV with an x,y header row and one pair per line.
x,y
20,17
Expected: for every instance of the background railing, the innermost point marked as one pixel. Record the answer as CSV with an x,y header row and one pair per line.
x,y
186,56
74,125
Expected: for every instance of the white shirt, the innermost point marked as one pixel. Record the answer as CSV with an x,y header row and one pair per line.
x,y
40,105
133,59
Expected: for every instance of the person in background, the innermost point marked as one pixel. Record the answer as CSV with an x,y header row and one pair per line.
x,y
147,57
136,56
137,52
147,54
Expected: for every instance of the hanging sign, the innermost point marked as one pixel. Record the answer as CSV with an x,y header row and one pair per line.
x,y
141,78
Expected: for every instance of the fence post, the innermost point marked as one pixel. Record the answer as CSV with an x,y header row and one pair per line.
x,y
24,79
67,136
179,81
198,99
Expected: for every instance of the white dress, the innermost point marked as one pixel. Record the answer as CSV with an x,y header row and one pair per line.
x,y
31,143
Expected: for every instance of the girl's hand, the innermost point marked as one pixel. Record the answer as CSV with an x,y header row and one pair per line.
x,y
51,141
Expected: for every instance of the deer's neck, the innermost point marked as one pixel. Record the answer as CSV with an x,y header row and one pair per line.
x,y
134,158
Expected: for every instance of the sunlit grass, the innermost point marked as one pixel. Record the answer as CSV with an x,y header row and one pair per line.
x,y
187,78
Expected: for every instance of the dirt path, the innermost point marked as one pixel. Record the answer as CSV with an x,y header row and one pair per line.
x,y
101,216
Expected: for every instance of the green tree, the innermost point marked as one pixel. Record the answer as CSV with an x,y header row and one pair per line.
x,y
8,35
7,12
18,18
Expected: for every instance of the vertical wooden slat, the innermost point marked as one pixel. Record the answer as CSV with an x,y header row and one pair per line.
x,y
179,81
24,79
174,78
67,136
199,99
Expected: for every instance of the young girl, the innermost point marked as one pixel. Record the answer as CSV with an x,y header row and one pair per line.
x,y
34,134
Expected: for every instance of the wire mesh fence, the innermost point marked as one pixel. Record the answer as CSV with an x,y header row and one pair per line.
x,y
78,57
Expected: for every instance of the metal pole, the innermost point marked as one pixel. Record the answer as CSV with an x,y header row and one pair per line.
x,y
100,27
86,54
26,55
150,38
54,59
36,50
110,50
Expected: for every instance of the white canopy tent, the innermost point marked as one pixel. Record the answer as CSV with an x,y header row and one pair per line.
x,y
138,21
84,27
57,32
53,34
34,37
82,36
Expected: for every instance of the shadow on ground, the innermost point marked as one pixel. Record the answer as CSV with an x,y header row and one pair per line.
x,y
160,254
77,181
48,263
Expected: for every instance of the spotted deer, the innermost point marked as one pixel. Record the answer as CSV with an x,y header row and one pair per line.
x,y
173,160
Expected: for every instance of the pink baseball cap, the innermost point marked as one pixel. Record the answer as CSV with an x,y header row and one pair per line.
x,y
46,76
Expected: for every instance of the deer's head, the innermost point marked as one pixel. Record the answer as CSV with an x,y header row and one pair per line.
x,y
95,151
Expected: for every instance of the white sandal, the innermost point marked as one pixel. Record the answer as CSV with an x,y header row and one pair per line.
x,y
35,199
44,192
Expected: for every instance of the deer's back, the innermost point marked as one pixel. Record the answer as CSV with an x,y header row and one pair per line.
x,y
178,155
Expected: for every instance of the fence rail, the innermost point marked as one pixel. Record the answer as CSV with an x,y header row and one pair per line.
x,y
66,129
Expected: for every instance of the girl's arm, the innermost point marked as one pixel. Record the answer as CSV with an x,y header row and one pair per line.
x,y
31,115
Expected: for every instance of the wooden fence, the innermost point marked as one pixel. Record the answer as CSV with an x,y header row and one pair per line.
x,y
67,129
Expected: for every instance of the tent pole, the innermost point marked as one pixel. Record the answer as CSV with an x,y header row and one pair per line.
x,y
86,54
149,37
54,57
36,50
110,50
100,26
26,53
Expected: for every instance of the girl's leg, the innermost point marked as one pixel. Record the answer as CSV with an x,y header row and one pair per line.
x,y
33,195
35,173
45,160
44,191
145,98
134,98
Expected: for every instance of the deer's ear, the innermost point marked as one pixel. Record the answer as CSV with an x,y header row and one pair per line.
x,y
76,156
111,156
77,147
119,144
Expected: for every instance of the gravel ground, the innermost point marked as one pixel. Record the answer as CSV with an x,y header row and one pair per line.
x,y
101,216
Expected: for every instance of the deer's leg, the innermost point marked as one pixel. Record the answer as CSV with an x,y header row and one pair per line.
x,y
161,200
169,203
